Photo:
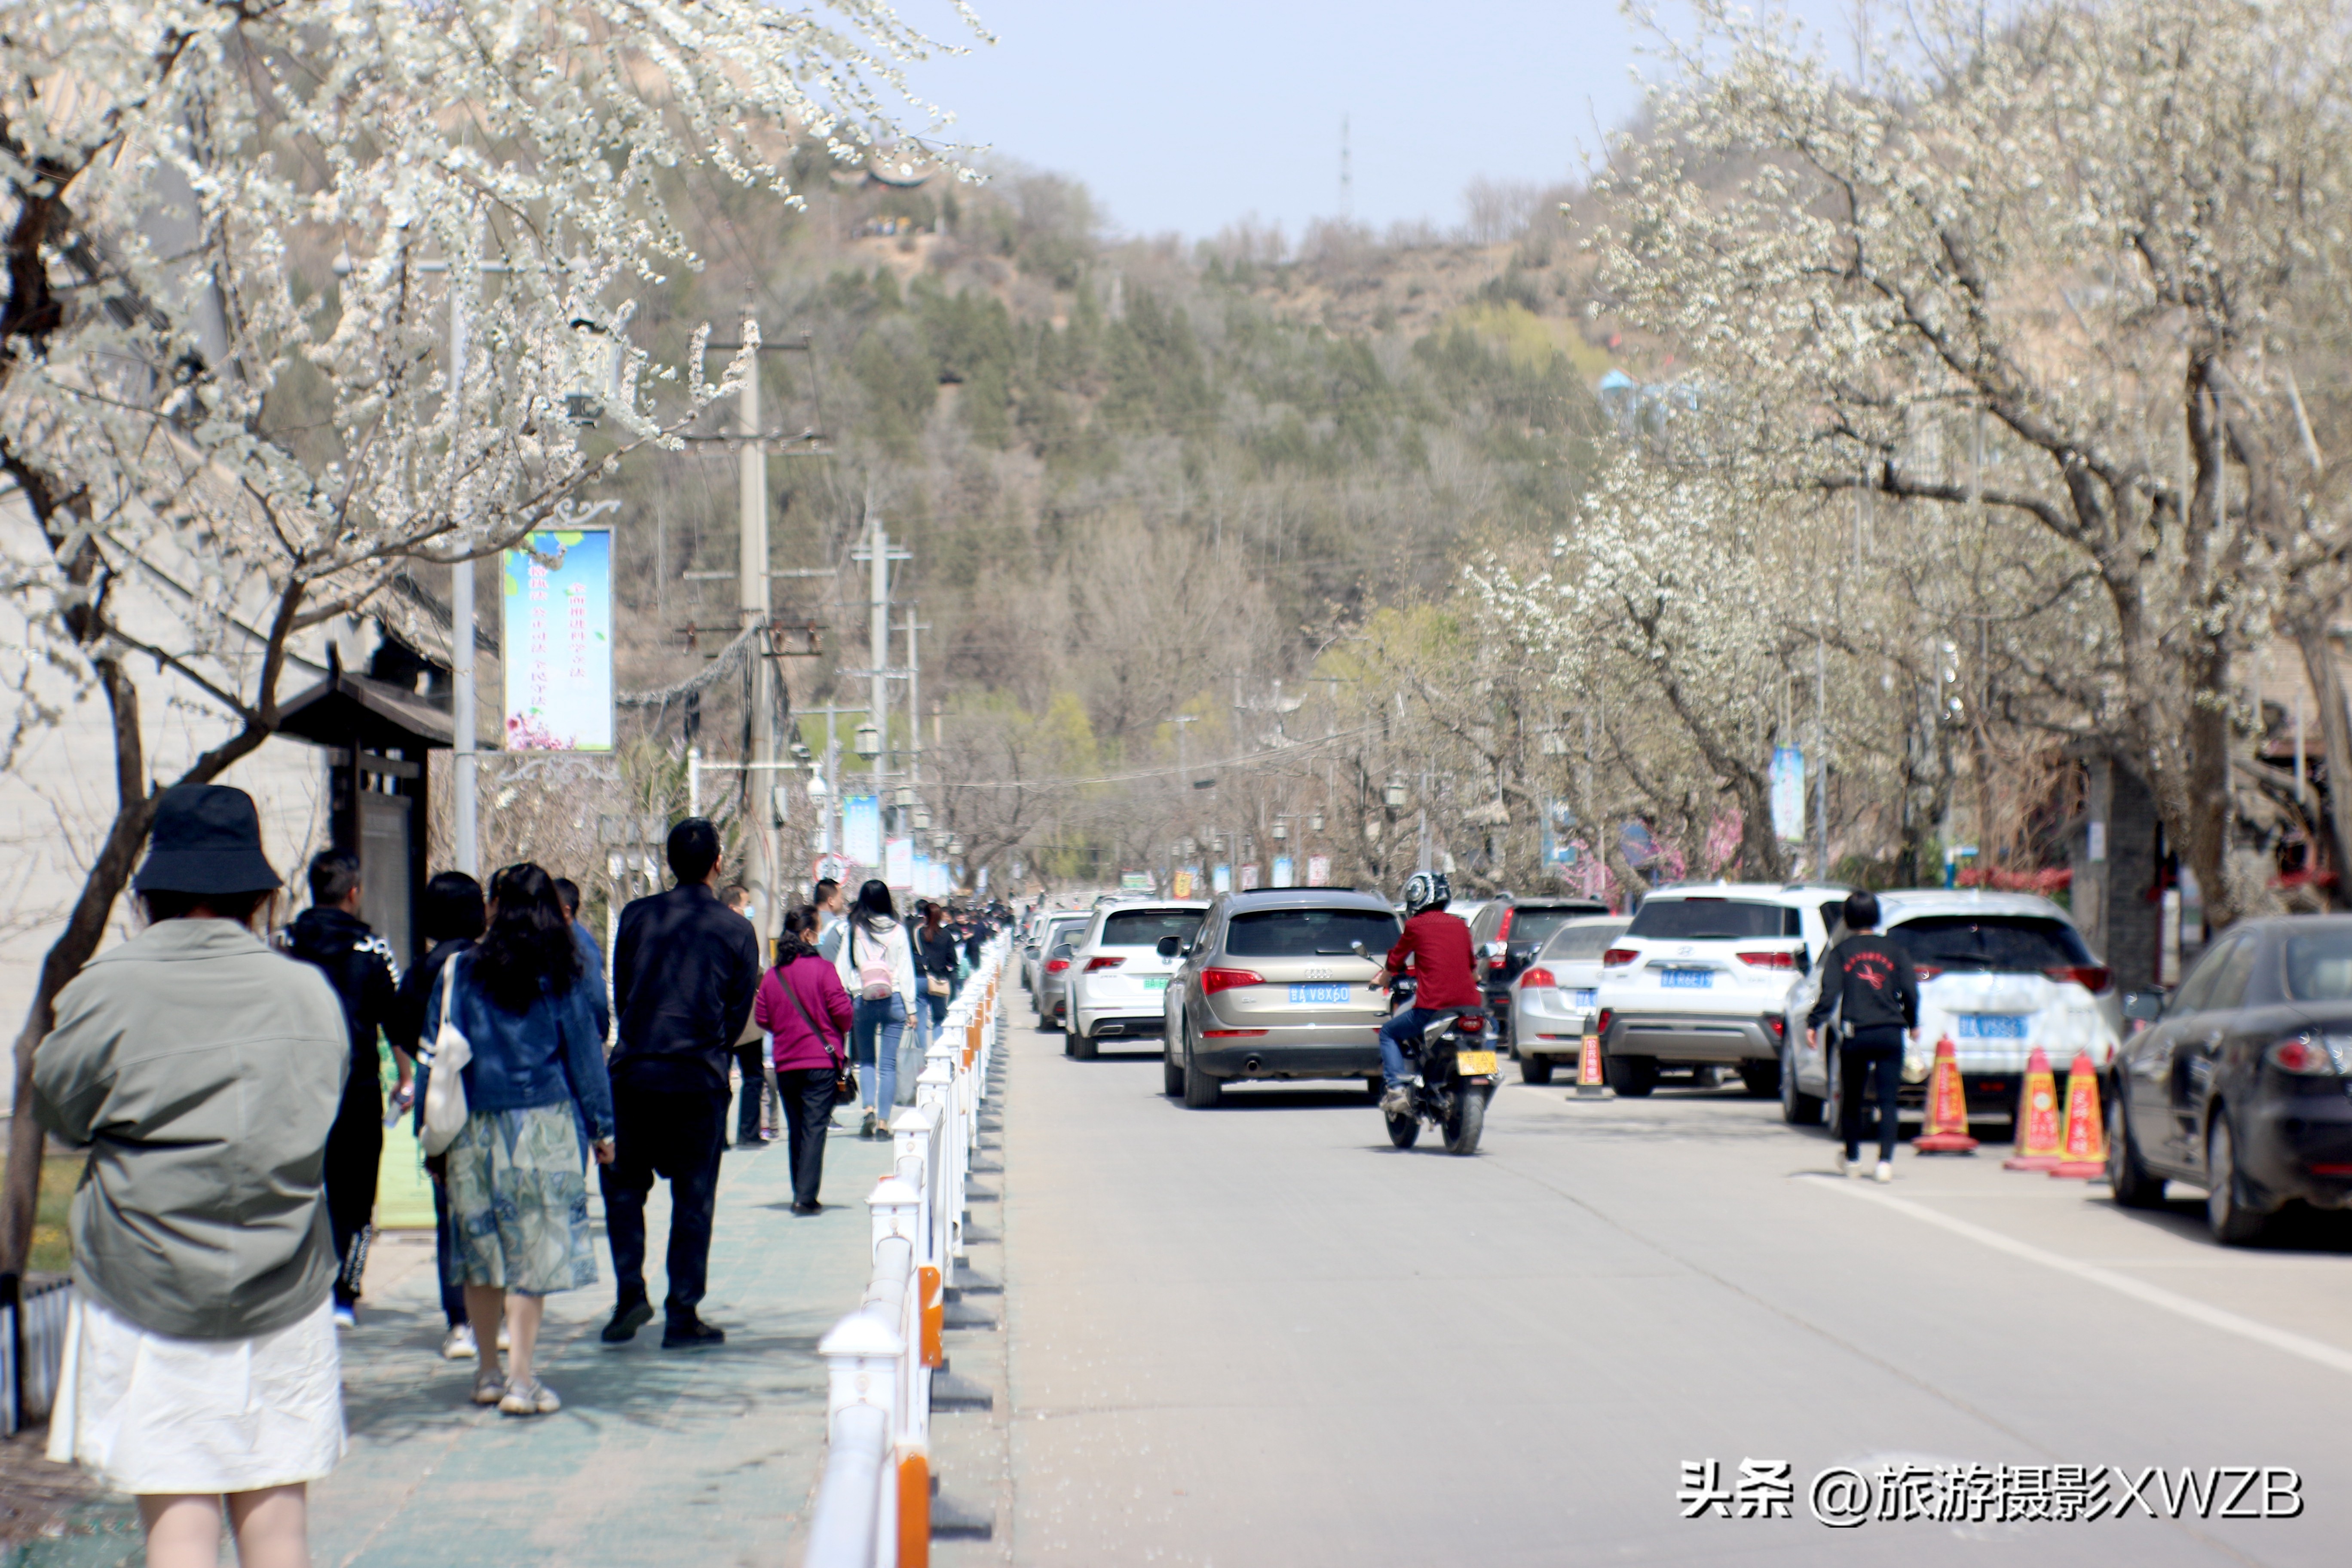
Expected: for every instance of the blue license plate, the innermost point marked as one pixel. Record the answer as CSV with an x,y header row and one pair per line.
x,y
1991,1027
1585,999
1323,995
1686,979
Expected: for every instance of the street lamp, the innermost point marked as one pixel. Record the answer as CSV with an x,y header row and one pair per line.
x,y
1393,795
597,354
1315,823
869,741
922,819
1281,829
955,847
905,797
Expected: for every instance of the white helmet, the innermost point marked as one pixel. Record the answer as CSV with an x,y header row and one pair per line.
x,y
1427,890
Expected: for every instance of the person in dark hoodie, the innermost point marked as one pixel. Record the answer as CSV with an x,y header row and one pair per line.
x,y
359,963
1867,981
685,970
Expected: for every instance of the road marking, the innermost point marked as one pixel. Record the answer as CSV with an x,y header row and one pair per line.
x,y
2187,1307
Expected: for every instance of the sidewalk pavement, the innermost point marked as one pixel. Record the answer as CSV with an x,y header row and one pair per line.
x,y
702,1457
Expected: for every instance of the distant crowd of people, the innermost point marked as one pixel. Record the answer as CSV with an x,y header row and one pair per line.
x,y
235,1107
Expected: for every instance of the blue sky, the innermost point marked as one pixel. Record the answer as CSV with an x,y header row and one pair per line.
x,y
1186,117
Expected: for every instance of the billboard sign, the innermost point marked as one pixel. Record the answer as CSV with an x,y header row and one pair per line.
x,y
556,618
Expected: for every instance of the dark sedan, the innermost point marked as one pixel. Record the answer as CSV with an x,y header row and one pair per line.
x,y
1506,932
2243,1084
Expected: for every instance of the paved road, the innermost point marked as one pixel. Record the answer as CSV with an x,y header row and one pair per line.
x,y
1260,1336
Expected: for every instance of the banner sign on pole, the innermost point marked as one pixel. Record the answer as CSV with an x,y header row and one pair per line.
x,y
1789,794
1319,870
1282,871
1220,878
556,639
861,829
899,858
1249,877
1179,884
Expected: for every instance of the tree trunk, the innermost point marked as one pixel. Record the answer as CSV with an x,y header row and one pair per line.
x,y
2336,743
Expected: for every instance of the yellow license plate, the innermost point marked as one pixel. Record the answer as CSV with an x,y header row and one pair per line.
x,y
1473,1063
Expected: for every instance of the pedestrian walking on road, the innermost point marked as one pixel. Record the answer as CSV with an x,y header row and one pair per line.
x,y
592,957
876,967
754,1116
330,936
203,1072
832,918
685,970
935,965
808,1014
1868,984
537,1106
453,917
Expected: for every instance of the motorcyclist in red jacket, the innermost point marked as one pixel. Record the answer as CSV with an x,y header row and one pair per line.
x,y
1445,977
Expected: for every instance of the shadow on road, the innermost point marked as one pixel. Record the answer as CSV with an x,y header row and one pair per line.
x,y
2295,1229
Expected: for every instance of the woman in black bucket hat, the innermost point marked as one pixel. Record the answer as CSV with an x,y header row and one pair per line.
x,y
203,1071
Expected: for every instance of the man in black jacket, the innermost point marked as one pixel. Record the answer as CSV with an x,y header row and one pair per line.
x,y
453,917
331,935
685,969
1869,984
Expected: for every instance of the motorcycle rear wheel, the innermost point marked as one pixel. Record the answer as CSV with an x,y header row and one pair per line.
x,y
1404,1131
1468,1121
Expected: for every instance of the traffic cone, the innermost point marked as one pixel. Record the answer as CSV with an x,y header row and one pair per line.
x,y
1589,1081
2084,1154
2038,1146
1946,1132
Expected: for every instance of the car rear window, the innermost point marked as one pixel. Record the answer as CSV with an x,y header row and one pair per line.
x,y
1535,925
1699,920
1583,941
2319,966
2021,944
1144,928
1307,934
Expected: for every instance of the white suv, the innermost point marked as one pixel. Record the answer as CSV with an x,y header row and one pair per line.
x,y
1701,978
1118,979
1999,974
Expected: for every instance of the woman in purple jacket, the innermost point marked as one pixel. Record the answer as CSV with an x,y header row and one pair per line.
x,y
807,1015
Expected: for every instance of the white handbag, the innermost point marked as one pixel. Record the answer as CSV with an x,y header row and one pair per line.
x,y
445,1090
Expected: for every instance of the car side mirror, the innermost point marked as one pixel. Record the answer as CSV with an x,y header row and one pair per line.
x,y
2144,1006
1357,947
1496,949
1169,946
1805,959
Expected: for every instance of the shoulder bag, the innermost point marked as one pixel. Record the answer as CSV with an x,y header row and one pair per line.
x,y
844,1077
445,1091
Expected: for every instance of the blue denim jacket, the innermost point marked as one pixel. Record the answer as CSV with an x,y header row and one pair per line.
x,y
548,1056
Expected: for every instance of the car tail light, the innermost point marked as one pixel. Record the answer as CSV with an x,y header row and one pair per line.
x,y
1601,1023
1535,977
2301,1054
1502,932
1215,980
1056,965
1230,1034
2092,977
1779,1025
1104,961
1619,957
1768,960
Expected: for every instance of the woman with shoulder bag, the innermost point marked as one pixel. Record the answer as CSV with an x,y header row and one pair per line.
x,y
805,1009
203,1072
935,958
538,1102
876,967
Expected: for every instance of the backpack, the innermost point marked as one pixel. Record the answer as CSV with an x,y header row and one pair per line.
x,y
875,980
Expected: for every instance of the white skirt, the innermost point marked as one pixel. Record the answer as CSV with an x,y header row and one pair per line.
x,y
148,1414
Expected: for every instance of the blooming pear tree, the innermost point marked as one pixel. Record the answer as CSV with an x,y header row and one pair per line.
x,y
2063,273
233,237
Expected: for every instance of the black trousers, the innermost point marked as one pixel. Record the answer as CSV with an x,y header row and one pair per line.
x,y
675,1134
751,1060
807,1094
354,1154
1874,1057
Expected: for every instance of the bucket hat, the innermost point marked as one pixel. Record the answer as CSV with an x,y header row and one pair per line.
x,y
206,839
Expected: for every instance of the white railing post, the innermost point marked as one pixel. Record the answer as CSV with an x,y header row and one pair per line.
x,y
857,1516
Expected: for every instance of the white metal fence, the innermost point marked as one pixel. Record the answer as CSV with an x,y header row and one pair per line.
x,y
874,1504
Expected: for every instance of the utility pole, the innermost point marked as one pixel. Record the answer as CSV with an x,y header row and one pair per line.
x,y
1821,750
464,824
878,634
751,596
914,694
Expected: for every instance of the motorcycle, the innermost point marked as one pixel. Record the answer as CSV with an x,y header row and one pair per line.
x,y
1454,1076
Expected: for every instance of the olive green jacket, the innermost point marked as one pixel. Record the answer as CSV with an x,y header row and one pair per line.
x,y
204,1069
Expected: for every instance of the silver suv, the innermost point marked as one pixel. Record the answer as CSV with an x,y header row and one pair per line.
x,y
1277,984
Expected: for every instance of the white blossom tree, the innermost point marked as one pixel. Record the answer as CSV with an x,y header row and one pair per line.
x,y
2063,269
231,236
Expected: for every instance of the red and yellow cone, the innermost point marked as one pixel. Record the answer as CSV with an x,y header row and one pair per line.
x,y
1946,1132
2084,1152
1590,1078
2039,1146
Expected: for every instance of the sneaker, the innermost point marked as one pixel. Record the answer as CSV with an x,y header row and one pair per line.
x,y
627,1320
1845,1163
532,1398
1886,1172
691,1334
1397,1104
458,1345
865,1129
807,1208
347,1315
490,1386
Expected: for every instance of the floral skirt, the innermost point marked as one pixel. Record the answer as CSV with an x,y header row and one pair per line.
x,y
517,1191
